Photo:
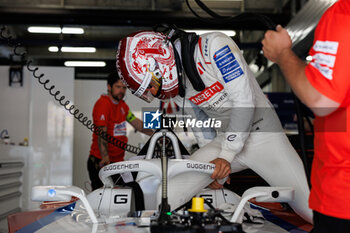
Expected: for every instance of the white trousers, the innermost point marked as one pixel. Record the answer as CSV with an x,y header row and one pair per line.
x,y
270,155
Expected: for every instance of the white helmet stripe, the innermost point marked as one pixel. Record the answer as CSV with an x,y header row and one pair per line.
x,y
144,85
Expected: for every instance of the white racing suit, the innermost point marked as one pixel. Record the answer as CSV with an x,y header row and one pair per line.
x,y
250,136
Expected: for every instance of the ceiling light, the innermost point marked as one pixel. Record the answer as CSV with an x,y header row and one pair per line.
x,y
85,63
56,30
72,30
44,29
78,49
227,32
53,49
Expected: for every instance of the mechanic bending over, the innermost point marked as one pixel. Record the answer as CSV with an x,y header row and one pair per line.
x,y
209,77
110,113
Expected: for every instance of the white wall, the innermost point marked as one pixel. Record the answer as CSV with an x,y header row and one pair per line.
x,y
51,129
30,111
86,93
14,110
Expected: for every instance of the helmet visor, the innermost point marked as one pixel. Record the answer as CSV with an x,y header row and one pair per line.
x,y
151,85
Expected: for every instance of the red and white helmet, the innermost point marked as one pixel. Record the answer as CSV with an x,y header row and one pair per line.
x,y
145,59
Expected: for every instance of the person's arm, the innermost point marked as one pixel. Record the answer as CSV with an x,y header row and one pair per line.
x,y
100,115
137,124
277,48
103,147
225,55
204,136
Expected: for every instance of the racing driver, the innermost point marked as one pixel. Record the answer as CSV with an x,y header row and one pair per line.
x,y
208,76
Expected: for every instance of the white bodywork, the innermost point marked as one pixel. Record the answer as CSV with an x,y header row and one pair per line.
x,y
106,209
111,217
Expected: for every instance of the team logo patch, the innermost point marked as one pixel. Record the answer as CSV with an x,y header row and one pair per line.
x,y
324,70
151,120
227,64
231,137
102,118
207,93
326,46
120,129
324,58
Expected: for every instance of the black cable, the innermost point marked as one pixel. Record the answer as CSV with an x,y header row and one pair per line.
x,y
60,98
218,214
193,12
241,18
210,12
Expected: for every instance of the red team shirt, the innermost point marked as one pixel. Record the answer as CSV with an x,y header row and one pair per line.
x,y
113,115
329,73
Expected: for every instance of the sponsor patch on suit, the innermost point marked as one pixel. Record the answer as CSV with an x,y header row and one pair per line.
x,y
227,64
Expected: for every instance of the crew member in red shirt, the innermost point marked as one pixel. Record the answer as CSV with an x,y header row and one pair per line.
x,y
110,114
324,86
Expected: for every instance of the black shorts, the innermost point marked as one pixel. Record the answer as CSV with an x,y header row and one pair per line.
x,y
327,224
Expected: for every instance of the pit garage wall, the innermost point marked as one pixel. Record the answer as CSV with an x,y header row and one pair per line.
x,y
51,130
14,110
29,111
